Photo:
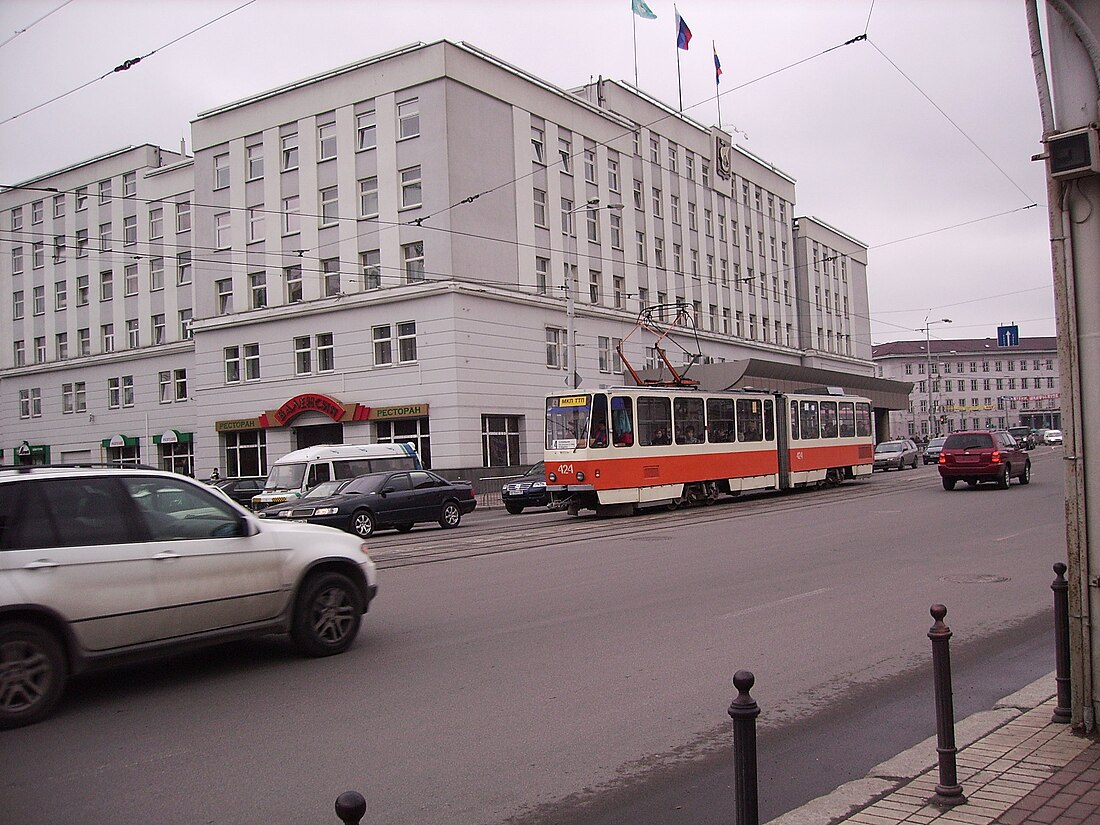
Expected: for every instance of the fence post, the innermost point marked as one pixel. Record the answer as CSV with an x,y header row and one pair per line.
x,y
1064,711
948,792
744,711
351,807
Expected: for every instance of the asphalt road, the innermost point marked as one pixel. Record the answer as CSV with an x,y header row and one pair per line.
x,y
539,668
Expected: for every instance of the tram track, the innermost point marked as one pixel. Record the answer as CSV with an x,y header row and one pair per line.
x,y
444,545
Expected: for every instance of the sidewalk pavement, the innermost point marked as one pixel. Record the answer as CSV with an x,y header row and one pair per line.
x,y
1015,765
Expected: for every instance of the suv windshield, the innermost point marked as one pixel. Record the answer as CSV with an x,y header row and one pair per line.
x,y
968,441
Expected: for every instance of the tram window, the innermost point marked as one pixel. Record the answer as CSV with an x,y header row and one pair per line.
x,y
749,419
863,420
622,421
566,421
690,425
654,421
769,420
794,420
808,420
720,420
597,437
828,419
847,419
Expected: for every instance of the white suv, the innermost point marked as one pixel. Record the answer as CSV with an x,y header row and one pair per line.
x,y
101,563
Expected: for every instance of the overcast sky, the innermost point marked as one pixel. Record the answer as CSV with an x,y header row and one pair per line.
x,y
928,124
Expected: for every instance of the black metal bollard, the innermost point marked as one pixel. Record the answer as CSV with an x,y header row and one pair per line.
x,y
744,711
351,807
948,792
1064,711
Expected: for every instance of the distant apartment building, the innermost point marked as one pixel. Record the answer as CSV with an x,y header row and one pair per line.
x,y
395,250
971,383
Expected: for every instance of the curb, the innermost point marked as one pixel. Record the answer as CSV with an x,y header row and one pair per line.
x,y
888,776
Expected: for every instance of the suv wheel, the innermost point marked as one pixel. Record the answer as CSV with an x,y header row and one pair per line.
x,y
327,614
450,516
1005,477
948,483
513,508
1025,476
32,673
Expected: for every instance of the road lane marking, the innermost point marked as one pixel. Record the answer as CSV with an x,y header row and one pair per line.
x,y
777,603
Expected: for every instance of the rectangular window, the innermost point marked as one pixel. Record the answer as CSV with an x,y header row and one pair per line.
x,y
129,230
366,133
185,317
221,171
656,202
556,348
38,255
292,215
326,141
565,154
326,352
593,226
542,275
383,345
58,248
157,323
133,340
19,353
641,247
40,349
38,300
289,152
616,230
613,175
330,271
156,274
129,184
257,289
590,165
82,290
330,210
183,268
164,386
106,285
408,119
540,208
293,277
74,397
368,197
180,381
61,346
37,213
183,216
406,342
500,440
60,295
538,145
371,262
30,403
17,219
414,262
411,194
221,230
223,296
255,224
254,161
303,355
130,279
156,223
105,236
17,260
82,243
107,337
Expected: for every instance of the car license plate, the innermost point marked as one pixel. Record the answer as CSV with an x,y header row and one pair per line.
x,y
969,459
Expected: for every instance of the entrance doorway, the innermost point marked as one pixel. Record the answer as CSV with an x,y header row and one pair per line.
x,y
318,434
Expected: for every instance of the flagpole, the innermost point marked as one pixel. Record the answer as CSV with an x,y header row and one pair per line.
x,y
634,25
679,85
717,91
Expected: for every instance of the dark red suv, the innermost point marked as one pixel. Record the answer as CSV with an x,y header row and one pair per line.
x,y
983,455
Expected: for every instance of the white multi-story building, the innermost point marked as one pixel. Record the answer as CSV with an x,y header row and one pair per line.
x,y
396,250
972,384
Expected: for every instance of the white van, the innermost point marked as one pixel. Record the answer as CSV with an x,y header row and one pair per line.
x,y
300,470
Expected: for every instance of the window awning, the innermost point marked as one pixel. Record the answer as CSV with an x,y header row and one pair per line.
x,y
120,441
173,437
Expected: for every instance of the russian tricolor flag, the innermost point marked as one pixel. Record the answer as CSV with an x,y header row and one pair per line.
x,y
683,33
717,67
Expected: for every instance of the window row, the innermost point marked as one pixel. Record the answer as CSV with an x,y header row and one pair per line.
x,y
107,339
120,393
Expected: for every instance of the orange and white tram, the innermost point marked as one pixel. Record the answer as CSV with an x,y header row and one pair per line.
x,y
622,448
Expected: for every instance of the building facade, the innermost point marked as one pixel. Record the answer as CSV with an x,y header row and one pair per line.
x,y
397,250
971,383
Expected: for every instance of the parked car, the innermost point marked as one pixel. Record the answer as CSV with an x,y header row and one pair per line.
x,y
1023,437
1039,435
325,489
101,564
983,455
932,450
529,490
897,454
1052,437
378,500
240,490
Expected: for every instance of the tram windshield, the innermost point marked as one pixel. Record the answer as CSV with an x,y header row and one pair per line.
x,y
567,419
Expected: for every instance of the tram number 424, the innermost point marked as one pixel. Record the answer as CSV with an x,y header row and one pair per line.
x,y
565,469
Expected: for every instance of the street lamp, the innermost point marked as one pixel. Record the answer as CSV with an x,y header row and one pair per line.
x,y
928,356
592,204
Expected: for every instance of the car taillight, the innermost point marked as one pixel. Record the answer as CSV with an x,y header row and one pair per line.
x,y
996,457
942,459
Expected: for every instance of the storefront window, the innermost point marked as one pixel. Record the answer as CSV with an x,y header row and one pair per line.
x,y
178,458
245,454
406,430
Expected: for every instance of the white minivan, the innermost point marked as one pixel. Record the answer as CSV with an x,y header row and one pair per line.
x,y
301,470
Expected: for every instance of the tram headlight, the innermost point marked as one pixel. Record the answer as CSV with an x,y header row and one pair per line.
x,y
580,475
553,477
